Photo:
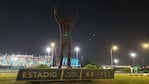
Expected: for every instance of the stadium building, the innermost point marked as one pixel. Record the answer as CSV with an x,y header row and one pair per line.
x,y
29,61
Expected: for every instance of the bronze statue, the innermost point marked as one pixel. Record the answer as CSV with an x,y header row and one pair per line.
x,y
65,24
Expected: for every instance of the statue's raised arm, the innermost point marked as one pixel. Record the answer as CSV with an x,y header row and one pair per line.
x,y
57,17
75,17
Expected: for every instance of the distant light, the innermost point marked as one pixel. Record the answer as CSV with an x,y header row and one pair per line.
x,y
48,49
114,47
116,61
94,34
77,49
52,44
132,54
89,39
145,45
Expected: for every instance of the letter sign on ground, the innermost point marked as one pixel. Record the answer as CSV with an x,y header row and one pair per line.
x,y
64,74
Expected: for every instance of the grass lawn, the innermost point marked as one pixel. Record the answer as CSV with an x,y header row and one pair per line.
x,y
9,78
125,79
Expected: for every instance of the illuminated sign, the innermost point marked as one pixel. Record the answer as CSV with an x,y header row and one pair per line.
x,y
39,74
64,74
97,74
71,74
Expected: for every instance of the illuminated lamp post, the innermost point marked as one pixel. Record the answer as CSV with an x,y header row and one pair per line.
x,y
114,48
52,45
133,55
116,61
77,49
144,46
48,49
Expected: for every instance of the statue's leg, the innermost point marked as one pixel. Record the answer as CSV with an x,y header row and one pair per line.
x,y
69,53
61,54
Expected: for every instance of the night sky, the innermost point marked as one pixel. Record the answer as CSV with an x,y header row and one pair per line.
x,y
28,26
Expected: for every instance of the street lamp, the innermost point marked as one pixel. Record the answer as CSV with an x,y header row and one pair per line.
x,y
52,45
116,61
77,49
133,55
114,48
48,49
144,46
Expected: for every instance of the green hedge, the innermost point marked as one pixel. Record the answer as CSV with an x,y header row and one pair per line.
x,y
146,70
92,66
42,66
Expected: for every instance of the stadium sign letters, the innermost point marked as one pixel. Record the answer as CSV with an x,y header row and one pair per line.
x,y
63,74
39,74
